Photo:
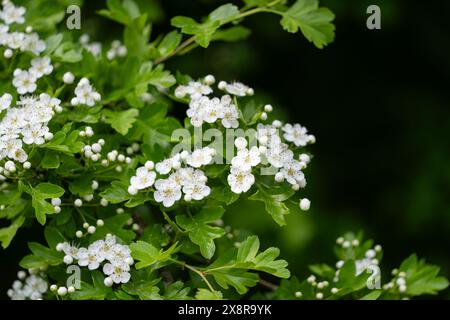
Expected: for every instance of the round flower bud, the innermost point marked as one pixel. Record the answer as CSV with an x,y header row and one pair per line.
x,y
79,234
53,287
85,225
176,165
346,244
95,157
312,139
120,210
187,198
88,197
71,289
222,85
295,187
378,248
108,282
311,279
149,165
68,259
132,190
263,116
339,264
27,165
82,133
58,109
56,201
279,177
121,158
62,291
8,53
298,294
319,296
68,78
250,91
130,150
94,185
100,223
135,227
268,108
277,123
129,261
334,290
91,229
402,274
78,203
304,158
305,204
48,136
240,143
209,79
340,240
96,147
370,253
104,202
57,209
21,274
59,247
355,242
402,288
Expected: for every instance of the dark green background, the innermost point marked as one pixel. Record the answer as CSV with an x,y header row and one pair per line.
x,y
378,103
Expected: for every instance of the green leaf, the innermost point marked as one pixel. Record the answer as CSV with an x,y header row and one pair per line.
x,y
116,193
39,194
121,121
200,232
50,160
314,22
203,32
8,233
205,294
148,255
169,43
256,3
224,13
235,33
323,270
274,204
157,77
374,295
232,268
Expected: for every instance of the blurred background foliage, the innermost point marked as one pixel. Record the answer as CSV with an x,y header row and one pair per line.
x,y
378,103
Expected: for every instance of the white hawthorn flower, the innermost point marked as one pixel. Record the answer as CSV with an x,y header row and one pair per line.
x,y
89,257
5,101
12,14
240,181
41,67
167,192
143,179
118,272
246,159
197,191
296,134
236,88
292,172
200,157
24,81
85,94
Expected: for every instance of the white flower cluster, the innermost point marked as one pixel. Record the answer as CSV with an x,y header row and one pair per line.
x,y
85,94
31,287
278,154
117,50
93,47
203,109
94,151
29,41
399,282
187,179
371,256
25,80
236,88
116,258
241,178
26,124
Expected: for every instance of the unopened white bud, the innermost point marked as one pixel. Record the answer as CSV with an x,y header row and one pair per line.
x,y
68,78
305,204
78,203
149,165
27,165
8,53
209,79
91,229
62,291
68,259
240,143
268,108
79,234
100,223
263,116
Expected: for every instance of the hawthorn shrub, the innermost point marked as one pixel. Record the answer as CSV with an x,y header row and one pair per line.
x,y
131,199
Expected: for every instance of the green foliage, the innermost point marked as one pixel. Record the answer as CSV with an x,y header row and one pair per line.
x,y
75,185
